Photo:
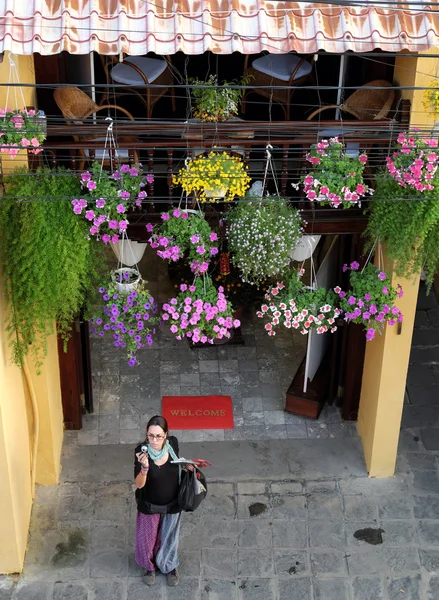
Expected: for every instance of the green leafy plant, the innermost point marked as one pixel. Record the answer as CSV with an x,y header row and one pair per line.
x,y
49,265
370,300
215,102
336,178
131,317
21,129
109,197
214,175
295,305
262,233
407,222
183,233
200,312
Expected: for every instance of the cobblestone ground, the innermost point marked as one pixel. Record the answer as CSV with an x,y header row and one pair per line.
x,y
420,423
254,540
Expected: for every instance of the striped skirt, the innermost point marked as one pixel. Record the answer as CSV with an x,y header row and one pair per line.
x,y
157,541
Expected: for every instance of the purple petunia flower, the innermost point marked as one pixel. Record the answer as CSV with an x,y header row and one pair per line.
x,y
381,275
370,334
355,265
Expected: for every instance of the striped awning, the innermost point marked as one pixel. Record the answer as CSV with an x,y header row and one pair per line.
x,y
221,26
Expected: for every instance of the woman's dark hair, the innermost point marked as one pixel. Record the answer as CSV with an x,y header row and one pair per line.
x,y
157,420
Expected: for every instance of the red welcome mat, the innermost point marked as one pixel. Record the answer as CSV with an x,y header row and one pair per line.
x,y
198,412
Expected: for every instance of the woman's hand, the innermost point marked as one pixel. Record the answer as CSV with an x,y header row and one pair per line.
x,y
142,457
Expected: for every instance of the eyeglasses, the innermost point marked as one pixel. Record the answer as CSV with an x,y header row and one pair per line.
x,y
153,437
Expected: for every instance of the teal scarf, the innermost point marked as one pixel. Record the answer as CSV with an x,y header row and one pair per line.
x,y
158,454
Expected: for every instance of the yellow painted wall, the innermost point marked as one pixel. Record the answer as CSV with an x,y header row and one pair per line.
x,y
383,385
417,72
386,360
16,98
16,413
47,389
15,457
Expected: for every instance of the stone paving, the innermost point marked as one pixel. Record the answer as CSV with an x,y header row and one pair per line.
x,y
254,539
256,375
420,422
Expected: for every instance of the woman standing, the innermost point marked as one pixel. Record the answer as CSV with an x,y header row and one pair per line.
x,y
158,513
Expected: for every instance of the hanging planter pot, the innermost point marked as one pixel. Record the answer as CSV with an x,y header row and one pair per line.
x,y
305,247
217,193
127,252
126,279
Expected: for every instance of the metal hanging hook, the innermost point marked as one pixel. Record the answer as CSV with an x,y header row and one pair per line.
x,y
110,126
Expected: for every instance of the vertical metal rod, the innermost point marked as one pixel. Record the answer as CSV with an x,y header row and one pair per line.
x,y
341,75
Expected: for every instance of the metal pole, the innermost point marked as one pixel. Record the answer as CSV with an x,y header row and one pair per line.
x,y
340,84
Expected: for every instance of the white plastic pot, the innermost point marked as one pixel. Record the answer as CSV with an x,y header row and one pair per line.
x,y
124,286
129,253
305,247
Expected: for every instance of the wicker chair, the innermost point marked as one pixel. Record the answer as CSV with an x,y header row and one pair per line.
x,y
139,72
286,70
365,104
76,106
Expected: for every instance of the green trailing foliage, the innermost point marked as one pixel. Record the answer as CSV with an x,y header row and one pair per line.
x,y
407,222
49,264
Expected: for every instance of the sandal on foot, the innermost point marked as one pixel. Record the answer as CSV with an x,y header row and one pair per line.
x,y
149,577
173,577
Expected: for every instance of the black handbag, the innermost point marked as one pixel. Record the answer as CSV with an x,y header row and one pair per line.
x,y
192,491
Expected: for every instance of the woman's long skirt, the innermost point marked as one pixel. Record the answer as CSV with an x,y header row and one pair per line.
x,y
157,541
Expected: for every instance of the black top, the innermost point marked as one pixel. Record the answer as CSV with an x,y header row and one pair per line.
x,y
161,487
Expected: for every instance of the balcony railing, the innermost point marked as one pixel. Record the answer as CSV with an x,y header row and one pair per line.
x,y
162,148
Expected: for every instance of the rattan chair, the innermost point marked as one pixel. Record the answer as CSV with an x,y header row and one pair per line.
x,y
76,106
138,73
365,104
287,70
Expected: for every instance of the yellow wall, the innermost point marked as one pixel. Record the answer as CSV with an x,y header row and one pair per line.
x,y
15,458
16,413
26,73
51,426
383,386
417,72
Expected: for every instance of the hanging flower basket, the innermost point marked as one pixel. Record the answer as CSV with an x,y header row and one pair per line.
x,y
22,130
183,233
335,179
415,163
126,279
200,312
108,197
370,300
130,318
211,174
294,305
261,233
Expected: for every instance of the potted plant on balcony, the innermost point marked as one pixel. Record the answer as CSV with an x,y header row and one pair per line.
x,y
370,300
200,312
184,234
295,305
214,176
407,222
262,232
22,129
336,179
415,163
131,318
107,198
215,102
